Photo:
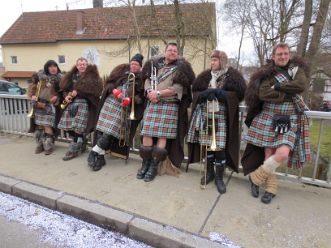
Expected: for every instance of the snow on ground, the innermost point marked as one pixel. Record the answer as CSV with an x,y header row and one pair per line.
x,y
59,229
222,239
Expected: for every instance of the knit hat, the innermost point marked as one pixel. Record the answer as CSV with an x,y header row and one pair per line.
x,y
139,58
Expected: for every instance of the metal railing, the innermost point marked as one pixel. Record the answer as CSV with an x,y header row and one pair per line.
x,y
13,119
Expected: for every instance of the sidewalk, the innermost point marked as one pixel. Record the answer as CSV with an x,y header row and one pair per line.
x,y
298,217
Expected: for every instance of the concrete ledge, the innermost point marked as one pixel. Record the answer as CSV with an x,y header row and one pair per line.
x,y
160,235
94,212
6,184
43,196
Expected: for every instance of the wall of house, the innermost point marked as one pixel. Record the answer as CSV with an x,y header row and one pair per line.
x,y
106,54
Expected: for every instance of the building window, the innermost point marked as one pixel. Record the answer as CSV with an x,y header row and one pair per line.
x,y
154,50
13,59
62,59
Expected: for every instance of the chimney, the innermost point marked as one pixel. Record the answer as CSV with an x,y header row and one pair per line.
x,y
97,3
80,29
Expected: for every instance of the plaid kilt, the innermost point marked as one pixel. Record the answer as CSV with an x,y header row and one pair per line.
x,y
199,119
261,132
110,119
46,116
75,116
160,120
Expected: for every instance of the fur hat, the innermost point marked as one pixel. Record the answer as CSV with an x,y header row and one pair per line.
x,y
220,55
50,63
139,58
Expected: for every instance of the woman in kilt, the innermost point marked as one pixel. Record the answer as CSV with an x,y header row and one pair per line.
x,y
44,93
114,130
81,88
223,88
278,127
165,118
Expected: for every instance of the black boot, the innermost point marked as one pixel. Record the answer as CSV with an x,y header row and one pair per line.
x,y
99,162
221,188
267,197
255,189
144,167
152,171
92,157
210,175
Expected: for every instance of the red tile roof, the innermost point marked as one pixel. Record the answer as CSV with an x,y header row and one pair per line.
x,y
18,74
108,23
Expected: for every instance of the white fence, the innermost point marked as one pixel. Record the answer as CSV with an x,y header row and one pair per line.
x,y
13,119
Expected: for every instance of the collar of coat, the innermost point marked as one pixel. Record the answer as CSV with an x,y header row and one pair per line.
x,y
267,71
234,81
119,73
184,73
89,82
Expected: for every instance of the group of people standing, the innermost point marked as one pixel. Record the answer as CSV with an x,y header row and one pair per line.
x,y
158,95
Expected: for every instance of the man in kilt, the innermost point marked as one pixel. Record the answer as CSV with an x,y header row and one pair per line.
x,y
278,127
44,92
165,118
217,90
114,129
81,88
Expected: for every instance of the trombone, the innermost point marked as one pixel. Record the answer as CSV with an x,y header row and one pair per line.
x,y
213,146
123,130
132,80
31,112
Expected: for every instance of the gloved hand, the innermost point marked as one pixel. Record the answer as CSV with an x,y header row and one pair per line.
x,y
126,101
117,93
208,94
220,95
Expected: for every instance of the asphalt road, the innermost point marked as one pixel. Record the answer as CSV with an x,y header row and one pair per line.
x,y
16,235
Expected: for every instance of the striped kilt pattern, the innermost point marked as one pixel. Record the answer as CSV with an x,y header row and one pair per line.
x,y
261,132
110,119
160,120
75,116
46,116
199,120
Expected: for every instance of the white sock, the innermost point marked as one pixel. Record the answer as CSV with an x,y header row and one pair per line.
x,y
270,165
98,150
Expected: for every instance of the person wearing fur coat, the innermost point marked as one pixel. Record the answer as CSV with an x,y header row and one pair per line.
x,y
44,93
278,126
81,88
216,96
168,92
115,129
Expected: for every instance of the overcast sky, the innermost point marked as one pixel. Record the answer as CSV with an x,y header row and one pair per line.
x,y
11,10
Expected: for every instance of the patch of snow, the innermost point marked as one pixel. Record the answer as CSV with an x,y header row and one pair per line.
x,y
222,239
62,230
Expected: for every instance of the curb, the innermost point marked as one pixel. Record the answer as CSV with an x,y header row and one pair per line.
x,y
134,226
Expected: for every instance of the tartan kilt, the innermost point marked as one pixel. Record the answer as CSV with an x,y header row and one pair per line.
x,y
75,116
199,118
160,120
261,132
46,116
110,118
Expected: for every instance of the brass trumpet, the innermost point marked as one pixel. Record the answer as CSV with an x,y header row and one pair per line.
x,y
64,104
31,112
153,77
132,80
